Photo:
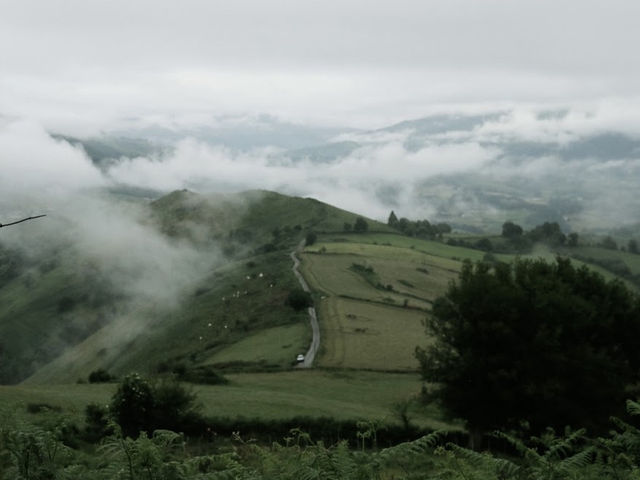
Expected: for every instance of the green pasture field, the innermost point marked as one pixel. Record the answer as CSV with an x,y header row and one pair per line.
x,y
330,274
338,394
631,260
335,243
67,400
359,334
408,271
438,249
359,321
276,346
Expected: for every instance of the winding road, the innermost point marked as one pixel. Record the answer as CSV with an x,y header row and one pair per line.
x,y
313,318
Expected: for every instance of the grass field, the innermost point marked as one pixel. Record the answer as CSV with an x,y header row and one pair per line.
x,y
233,303
276,346
342,395
358,334
364,324
360,309
331,274
629,259
70,399
407,270
388,239
362,316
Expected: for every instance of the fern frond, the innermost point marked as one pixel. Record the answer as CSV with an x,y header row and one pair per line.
x,y
579,460
633,408
478,460
417,447
518,444
562,447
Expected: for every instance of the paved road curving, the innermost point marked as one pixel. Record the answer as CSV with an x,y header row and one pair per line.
x,y
315,328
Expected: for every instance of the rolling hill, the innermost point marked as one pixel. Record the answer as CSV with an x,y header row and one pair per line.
x,y
67,315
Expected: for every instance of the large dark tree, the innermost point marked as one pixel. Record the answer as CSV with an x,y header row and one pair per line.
x,y
360,225
511,230
544,343
393,220
549,233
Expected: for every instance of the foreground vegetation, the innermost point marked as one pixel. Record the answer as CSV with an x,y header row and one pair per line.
x,y
346,395
30,453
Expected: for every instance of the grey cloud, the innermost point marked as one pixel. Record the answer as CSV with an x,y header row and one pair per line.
x,y
87,65
434,167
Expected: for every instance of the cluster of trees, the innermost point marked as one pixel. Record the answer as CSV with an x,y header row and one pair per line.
x,y
418,228
543,343
548,233
360,225
551,234
519,240
609,243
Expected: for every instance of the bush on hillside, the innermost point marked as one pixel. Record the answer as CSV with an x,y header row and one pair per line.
x,y
311,238
360,225
100,376
298,299
140,406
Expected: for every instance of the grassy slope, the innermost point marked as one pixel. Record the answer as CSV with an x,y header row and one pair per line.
x,y
44,307
366,331
368,326
279,345
357,334
629,259
359,317
242,224
343,395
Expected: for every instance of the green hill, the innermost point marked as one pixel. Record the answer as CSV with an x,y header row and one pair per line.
x,y
66,317
63,316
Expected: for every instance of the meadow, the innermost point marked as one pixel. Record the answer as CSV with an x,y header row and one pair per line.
x,y
364,335
340,394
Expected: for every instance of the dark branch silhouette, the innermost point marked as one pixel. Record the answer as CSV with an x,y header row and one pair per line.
x,y
20,221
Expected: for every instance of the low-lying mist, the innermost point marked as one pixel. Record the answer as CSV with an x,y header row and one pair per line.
x,y
581,165
474,171
99,238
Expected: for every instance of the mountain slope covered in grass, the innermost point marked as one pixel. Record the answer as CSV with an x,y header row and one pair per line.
x,y
68,313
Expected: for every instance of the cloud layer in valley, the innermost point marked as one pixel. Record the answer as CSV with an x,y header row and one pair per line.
x,y
576,151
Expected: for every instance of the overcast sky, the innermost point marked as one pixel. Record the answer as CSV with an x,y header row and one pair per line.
x,y
85,65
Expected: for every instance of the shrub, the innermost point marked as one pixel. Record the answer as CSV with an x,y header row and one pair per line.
x,y
42,407
100,376
97,424
133,405
311,238
360,225
203,375
298,299
140,406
